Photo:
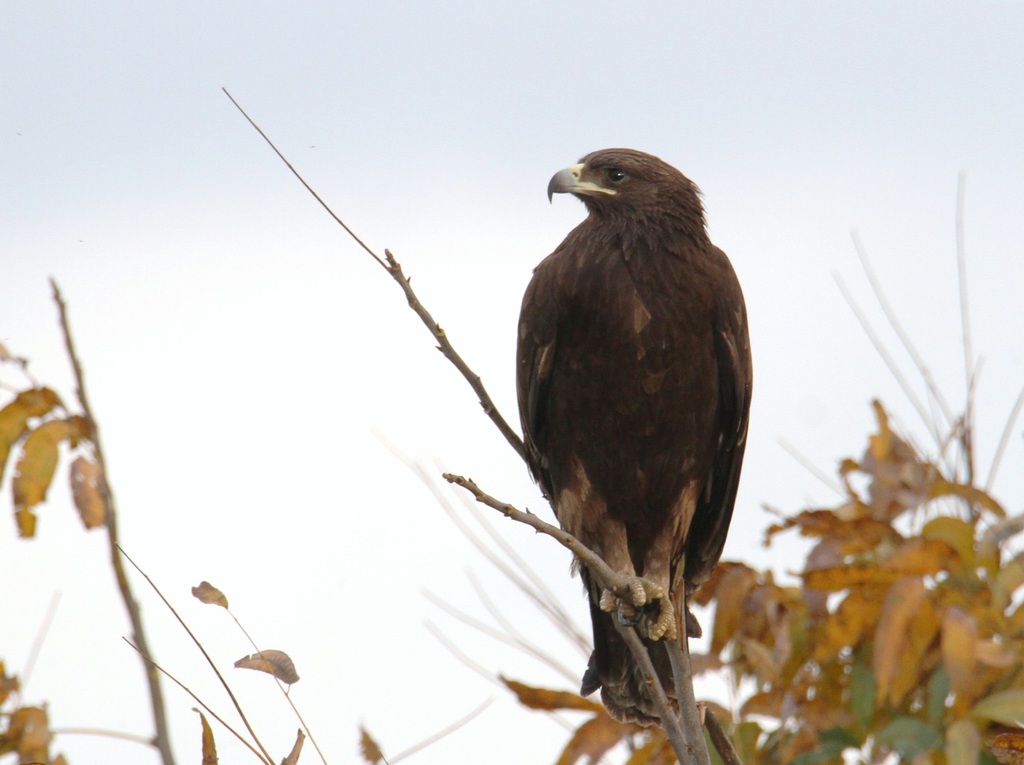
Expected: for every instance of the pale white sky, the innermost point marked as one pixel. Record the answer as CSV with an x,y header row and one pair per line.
x,y
240,351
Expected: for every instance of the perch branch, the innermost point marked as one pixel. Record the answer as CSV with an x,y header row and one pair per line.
x,y
688,753
720,739
394,269
161,738
682,676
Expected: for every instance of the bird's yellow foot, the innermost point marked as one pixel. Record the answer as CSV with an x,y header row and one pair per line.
x,y
632,598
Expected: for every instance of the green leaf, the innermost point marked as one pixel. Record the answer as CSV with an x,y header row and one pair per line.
x,y
938,690
1006,707
909,737
832,743
862,694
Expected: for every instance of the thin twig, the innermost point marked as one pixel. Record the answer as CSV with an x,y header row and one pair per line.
x,y
605,578
104,733
394,268
161,739
965,325
157,668
459,654
1004,439
202,650
37,644
810,467
901,334
442,733
720,739
897,373
284,691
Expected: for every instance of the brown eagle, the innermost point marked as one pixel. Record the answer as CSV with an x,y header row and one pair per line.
x,y
634,382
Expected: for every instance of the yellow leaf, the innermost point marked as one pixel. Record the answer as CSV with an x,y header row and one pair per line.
x,y
838,578
28,733
855,617
276,663
369,748
86,479
209,745
901,603
548,700
993,654
592,740
955,532
39,460
963,743
918,557
959,642
729,611
1009,578
35,402
1006,707
760,659
207,593
971,494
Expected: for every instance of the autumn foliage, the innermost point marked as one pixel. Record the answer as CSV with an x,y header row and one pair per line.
x,y
902,637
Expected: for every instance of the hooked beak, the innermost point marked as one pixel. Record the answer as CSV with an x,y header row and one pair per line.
x,y
568,181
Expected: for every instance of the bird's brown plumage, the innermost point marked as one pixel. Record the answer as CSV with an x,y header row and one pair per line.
x,y
634,383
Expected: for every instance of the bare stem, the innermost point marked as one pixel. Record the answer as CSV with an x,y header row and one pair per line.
x,y
688,754
394,268
161,739
720,739
202,650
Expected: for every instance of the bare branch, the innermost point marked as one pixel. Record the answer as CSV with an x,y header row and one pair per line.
x,y
720,739
967,432
682,677
202,650
200,702
442,733
688,753
161,739
394,268
876,286
1004,438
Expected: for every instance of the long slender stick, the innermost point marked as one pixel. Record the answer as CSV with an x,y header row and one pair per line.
x,y
967,431
161,738
686,752
394,268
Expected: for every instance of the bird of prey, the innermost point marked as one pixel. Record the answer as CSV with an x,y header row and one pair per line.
x,y
634,382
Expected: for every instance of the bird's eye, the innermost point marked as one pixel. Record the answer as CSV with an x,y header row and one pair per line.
x,y
615,175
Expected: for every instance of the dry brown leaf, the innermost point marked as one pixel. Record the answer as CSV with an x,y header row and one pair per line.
x,y
293,755
729,610
369,748
548,700
28,733
207,593
35,402
276,663
1008,748
901,603
918,557
972,494
761,660
959,653
209,745
36,466
838,578
85,478
922,633
593,739
768,703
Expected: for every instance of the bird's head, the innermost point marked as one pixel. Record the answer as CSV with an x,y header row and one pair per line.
x,y
615,183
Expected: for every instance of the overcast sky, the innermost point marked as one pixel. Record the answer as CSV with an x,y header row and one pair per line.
x,y
243,354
